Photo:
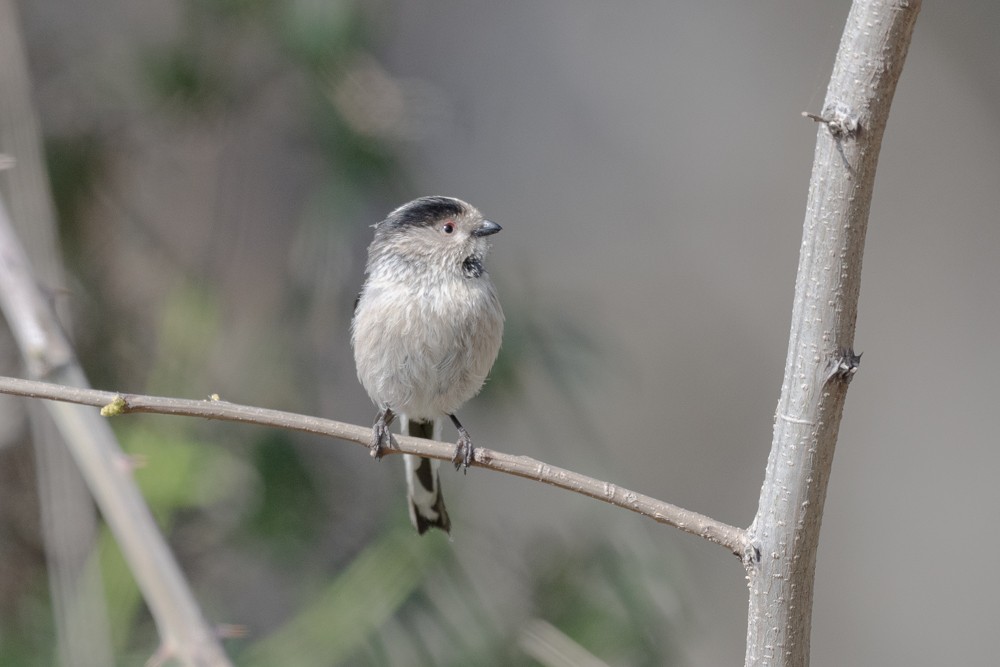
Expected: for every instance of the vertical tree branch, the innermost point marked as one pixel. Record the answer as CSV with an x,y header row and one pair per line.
x,y
68,516
784,535
47,354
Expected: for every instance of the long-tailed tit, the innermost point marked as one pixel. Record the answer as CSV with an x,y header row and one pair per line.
x,y
426,331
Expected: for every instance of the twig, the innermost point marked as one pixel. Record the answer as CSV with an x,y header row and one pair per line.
x,y
784,536
521,466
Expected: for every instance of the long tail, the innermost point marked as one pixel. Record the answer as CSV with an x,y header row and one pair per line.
x,y
427,508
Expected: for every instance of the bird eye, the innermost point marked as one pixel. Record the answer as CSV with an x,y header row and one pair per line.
x,y
448,228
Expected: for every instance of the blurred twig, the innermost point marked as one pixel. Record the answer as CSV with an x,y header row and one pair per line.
x,y
784,535
552,647
68,516
521,466
47,354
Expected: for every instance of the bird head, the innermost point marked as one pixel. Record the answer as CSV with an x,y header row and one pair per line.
x,y
434,232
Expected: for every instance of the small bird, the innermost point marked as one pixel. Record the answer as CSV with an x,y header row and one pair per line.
x,y
427,328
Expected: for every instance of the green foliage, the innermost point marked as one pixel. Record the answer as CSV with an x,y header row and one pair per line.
x,y
350,610
185,77
75,166
411,601
26,640
320,35
601,596
189,330
199,71
286,513
175,473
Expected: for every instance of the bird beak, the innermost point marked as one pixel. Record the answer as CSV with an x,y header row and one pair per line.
x,y
485,228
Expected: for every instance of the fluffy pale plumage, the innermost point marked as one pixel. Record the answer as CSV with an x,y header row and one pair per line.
x,y
428,324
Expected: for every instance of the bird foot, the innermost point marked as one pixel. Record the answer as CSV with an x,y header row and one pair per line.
x,y
464,451
381,435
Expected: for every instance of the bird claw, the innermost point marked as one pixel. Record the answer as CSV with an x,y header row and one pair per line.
x,y
381,435
464,452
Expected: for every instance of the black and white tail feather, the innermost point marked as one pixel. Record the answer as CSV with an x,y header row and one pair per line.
x,y
423,486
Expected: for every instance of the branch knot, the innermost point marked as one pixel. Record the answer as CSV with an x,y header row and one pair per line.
x,y
845,365
841,120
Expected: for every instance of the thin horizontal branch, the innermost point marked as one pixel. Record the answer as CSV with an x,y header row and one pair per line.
x,y
731,537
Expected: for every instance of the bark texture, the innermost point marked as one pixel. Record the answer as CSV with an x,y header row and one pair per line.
x,y
784,536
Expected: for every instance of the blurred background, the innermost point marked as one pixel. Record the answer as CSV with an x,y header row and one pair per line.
x,y
215,167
